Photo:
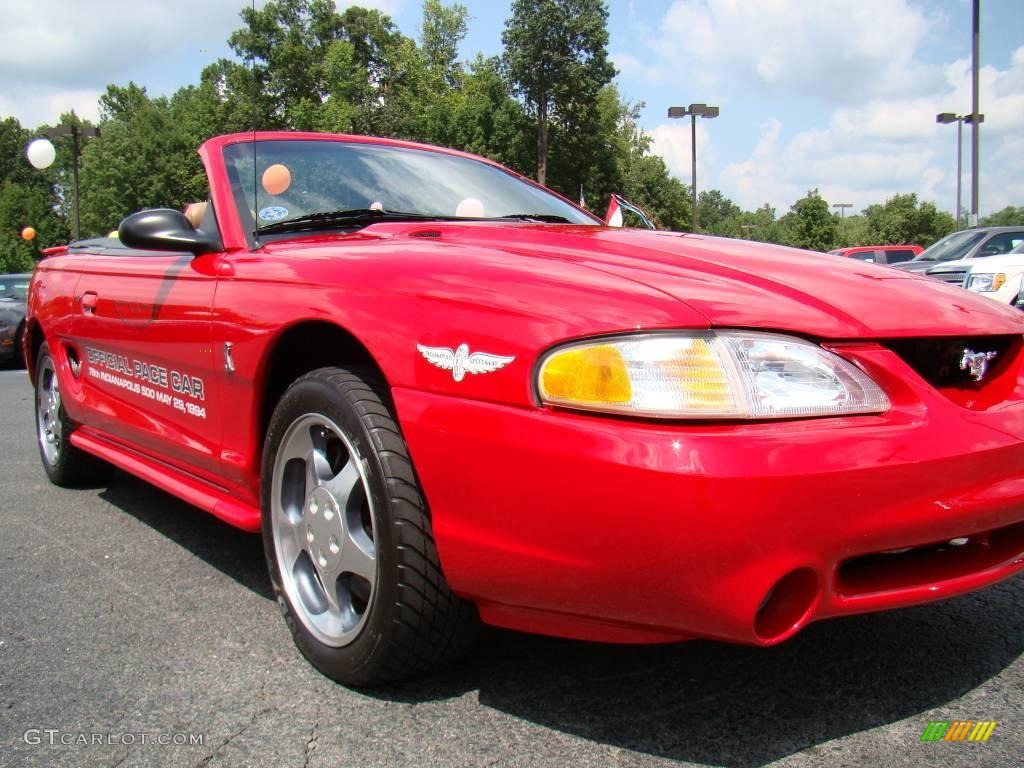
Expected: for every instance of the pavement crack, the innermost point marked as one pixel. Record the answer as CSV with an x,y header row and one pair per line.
x,y
311,741
256,715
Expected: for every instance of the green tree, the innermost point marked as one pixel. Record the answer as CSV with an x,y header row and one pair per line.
x,y
143,158
28,198
812,226
556,57
442,30
760,225
486,120
1010,216
718,215
901,219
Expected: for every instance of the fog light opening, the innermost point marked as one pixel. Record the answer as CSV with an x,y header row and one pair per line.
x,y
786,606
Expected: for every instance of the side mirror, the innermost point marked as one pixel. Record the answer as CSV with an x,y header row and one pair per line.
x,y
618,205
165,229
989,250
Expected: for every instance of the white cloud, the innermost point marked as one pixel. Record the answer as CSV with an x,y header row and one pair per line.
x,y
835,52
673,142
868,153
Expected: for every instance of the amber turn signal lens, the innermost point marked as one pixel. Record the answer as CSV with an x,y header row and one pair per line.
x,y
586,375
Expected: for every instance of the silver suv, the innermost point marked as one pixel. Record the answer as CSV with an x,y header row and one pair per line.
x,y
960,246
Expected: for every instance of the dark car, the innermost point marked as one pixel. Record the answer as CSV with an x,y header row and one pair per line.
x,y
966,244
879,254
13,292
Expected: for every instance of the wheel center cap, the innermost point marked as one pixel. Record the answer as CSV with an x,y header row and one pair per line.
x,y
325,527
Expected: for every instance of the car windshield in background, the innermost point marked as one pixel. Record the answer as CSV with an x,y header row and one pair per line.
x,y
16,291
951,247
301,184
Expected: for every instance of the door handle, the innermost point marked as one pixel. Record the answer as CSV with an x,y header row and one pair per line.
x,y
88,302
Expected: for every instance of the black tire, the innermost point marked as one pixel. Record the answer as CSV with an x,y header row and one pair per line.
x,y
411,623
64,464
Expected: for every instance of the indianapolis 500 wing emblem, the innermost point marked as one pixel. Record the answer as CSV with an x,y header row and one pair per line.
x,y
460,362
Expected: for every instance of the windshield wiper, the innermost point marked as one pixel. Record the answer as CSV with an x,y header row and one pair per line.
x,y
356,216
547,218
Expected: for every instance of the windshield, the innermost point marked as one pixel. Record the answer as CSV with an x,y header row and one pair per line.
x,y
16,289
951,247
299,179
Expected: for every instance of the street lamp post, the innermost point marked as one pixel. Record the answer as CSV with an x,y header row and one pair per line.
x,y
945,118
694,110
842,213
41,157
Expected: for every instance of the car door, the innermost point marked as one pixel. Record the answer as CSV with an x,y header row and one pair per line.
x,y
142,327
1000,243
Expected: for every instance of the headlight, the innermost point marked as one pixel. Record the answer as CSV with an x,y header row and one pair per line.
x,y
709,375
986,283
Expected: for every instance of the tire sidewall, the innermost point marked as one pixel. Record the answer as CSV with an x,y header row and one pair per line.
x,y
355,662
53,471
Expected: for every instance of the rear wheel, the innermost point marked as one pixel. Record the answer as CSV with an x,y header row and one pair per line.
x,y
64,463
348,539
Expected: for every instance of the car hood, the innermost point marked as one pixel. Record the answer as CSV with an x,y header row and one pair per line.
x,y
738,283
985,264
919,267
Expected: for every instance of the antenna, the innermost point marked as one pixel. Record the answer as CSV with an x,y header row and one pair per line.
x,y
255,174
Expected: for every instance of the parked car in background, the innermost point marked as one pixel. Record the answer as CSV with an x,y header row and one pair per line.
x,y
966,244
13,292
879,254
996,277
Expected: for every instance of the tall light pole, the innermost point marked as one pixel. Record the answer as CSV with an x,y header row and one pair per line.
x,y
945,118
43,160
842,214
975,36
694,110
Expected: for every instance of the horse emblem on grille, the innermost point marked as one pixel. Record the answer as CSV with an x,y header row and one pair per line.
x,y
460,362
977,363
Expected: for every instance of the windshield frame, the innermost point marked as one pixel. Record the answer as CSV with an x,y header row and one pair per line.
x,y
232,148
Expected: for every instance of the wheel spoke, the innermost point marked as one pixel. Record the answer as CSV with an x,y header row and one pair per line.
x,y
316,463
329,576
341,484
299,445
355,558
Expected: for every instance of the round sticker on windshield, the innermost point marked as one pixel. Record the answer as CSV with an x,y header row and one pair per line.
x,y
273,213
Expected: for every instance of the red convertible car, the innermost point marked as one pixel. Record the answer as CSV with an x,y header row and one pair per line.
x,y
447,397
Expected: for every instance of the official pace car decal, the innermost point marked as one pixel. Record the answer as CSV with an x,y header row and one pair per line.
x,y
273,213
148,380
460,362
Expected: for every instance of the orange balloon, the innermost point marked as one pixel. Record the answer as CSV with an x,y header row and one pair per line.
x,y
28,233
276,179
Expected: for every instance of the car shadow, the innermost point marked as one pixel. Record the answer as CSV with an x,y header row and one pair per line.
x,y
738,706
231,551
702,702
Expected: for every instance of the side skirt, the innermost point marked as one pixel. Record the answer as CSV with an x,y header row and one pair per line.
x,y
216,501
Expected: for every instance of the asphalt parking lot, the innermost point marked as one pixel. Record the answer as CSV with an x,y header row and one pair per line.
x,y
128,618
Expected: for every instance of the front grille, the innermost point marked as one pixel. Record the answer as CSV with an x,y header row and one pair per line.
x,y
956,278
937,361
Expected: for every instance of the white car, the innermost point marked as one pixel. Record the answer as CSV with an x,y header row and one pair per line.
x,y
997,277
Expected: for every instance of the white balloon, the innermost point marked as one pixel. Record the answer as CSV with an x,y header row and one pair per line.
x,y
41,153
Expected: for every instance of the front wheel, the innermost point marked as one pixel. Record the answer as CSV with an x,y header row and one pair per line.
x,y
348,539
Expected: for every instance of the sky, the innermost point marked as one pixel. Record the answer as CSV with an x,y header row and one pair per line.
x,y
832,95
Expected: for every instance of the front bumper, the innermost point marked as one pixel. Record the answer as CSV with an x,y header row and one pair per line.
x,y
614,529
